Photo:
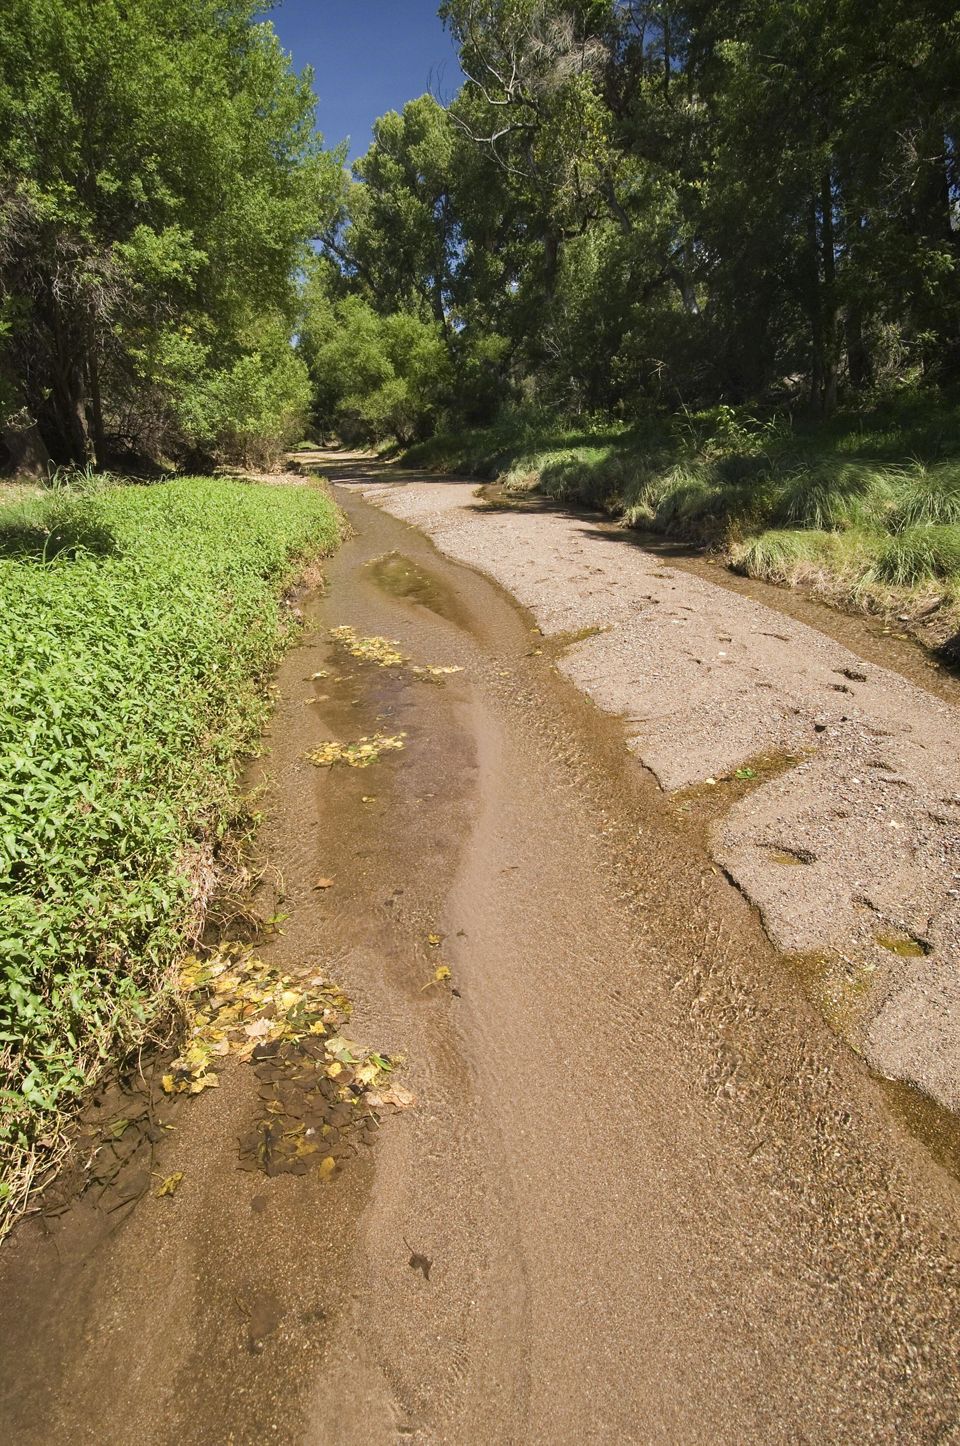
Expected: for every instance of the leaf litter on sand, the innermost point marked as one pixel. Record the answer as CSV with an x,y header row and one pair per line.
x,y
320,1090
440,976
385,652
434,673
356,755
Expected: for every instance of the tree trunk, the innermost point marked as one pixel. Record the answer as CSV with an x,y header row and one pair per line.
x,y
829,295
814,315
27,453
936,312
64,410
68,409
859,361
96,407
27,450
551,262
688,292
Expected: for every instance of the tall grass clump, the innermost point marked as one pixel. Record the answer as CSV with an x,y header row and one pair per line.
x,y
920,555
928,494
828,495
134,679
790,556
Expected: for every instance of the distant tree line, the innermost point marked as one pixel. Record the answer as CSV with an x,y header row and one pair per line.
x,y
635,203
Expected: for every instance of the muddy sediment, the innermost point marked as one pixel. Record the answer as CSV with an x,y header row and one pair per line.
x,y
644,1193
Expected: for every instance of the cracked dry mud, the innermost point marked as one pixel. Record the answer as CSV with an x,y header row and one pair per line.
x,y
645,1193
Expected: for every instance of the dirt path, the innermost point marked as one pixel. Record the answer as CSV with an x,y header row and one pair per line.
x,y
645,1193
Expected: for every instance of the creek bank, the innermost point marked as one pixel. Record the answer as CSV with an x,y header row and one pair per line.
x,y
139,628
707,679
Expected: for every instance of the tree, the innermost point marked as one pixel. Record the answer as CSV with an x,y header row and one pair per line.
x,y
374,376
674,202
159,176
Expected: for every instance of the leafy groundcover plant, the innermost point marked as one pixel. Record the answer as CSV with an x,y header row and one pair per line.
x,y
139,627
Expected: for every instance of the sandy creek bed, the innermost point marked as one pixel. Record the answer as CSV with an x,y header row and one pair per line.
x,y
660,1198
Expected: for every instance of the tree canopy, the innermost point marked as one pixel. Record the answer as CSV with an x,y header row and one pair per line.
x,y
642,202
629,204
160,176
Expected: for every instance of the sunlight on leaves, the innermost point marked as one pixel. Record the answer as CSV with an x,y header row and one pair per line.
x,y
320,1088
355,755
382,651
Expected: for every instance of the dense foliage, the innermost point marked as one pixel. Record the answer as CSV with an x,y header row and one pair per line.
x,y
138,629
160,176
637,204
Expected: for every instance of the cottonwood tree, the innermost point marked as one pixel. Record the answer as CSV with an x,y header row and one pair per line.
x,y
159,175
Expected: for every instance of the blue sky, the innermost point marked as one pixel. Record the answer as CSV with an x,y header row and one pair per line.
x,y
368,56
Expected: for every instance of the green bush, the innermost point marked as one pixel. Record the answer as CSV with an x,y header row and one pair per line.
x,y
375,377
134,680
248,412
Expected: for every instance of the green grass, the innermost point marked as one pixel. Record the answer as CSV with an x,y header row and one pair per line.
x,y
864,507
139,628
920,555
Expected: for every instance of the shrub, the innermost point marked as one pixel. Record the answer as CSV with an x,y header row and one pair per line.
x,y
375,377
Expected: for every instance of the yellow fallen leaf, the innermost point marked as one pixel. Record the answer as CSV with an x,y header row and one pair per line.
x,y
383,651
442,973
305,1147
328,1165
170,1185
205,1082
433,940
168,1084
